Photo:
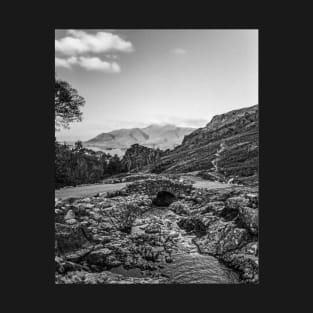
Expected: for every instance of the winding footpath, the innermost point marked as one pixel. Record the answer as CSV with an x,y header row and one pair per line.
x,y
86,190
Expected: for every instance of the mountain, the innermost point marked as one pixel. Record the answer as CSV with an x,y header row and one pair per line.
x,y
154,136
226,148
227,145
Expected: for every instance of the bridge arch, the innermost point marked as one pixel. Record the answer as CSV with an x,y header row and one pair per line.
x,y
163,189
164,198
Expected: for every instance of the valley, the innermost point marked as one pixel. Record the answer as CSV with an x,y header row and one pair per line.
x,y
187,215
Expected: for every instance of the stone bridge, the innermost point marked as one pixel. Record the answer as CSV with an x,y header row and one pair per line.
x,y
162,191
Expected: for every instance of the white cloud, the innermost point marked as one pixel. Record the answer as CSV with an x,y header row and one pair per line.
x,y
89,63
179,51
180,121
62,63
79,42
97,64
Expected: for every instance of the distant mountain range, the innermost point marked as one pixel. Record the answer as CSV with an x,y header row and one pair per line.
x,y
154,136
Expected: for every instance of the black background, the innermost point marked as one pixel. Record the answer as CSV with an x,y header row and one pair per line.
x,y
28,241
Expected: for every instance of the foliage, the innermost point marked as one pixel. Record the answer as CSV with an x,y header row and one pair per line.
x,y
78,165
127,217
67,104
124,217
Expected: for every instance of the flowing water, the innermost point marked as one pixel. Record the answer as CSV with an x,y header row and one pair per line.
x,y
191,267
188,266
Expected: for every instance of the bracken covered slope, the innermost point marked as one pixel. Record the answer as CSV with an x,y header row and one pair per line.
x,y
227,145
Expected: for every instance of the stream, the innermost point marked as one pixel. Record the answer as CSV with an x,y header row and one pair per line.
x,y
188,266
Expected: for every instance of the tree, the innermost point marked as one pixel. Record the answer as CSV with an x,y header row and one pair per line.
x,y
114,165
78,146
67,104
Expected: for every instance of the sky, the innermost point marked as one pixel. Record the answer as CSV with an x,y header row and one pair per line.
x,y
134,78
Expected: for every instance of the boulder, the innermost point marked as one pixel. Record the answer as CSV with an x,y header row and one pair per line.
x,y
214,206
62,266
245,261
152,228
232,206
249,219
221,237
253,199
69,215
193,224
70,237
207,219
236,202
71,221
180,207
98,257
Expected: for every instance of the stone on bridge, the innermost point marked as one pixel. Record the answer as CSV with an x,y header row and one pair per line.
x,y
152,187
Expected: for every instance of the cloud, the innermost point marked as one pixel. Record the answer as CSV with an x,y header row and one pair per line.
x,y
193,122
88,63
79,42
95,63
179,51
181,121
111,56
62,63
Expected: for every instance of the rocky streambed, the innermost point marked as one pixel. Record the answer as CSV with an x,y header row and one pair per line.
x,y
204,236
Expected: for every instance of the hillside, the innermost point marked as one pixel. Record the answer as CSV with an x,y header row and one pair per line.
x,y
227,145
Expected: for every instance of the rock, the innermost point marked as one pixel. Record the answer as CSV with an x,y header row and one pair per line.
x,y
88,205
112,261
250,248
173,234
153,186
106,226
253,199
207,219
105,277
232,206
245,261
236,202
71,221
221,237
69,215
98,257
214,206
70,237
193,224
249,218
152,229
180,207
62,266
168,259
